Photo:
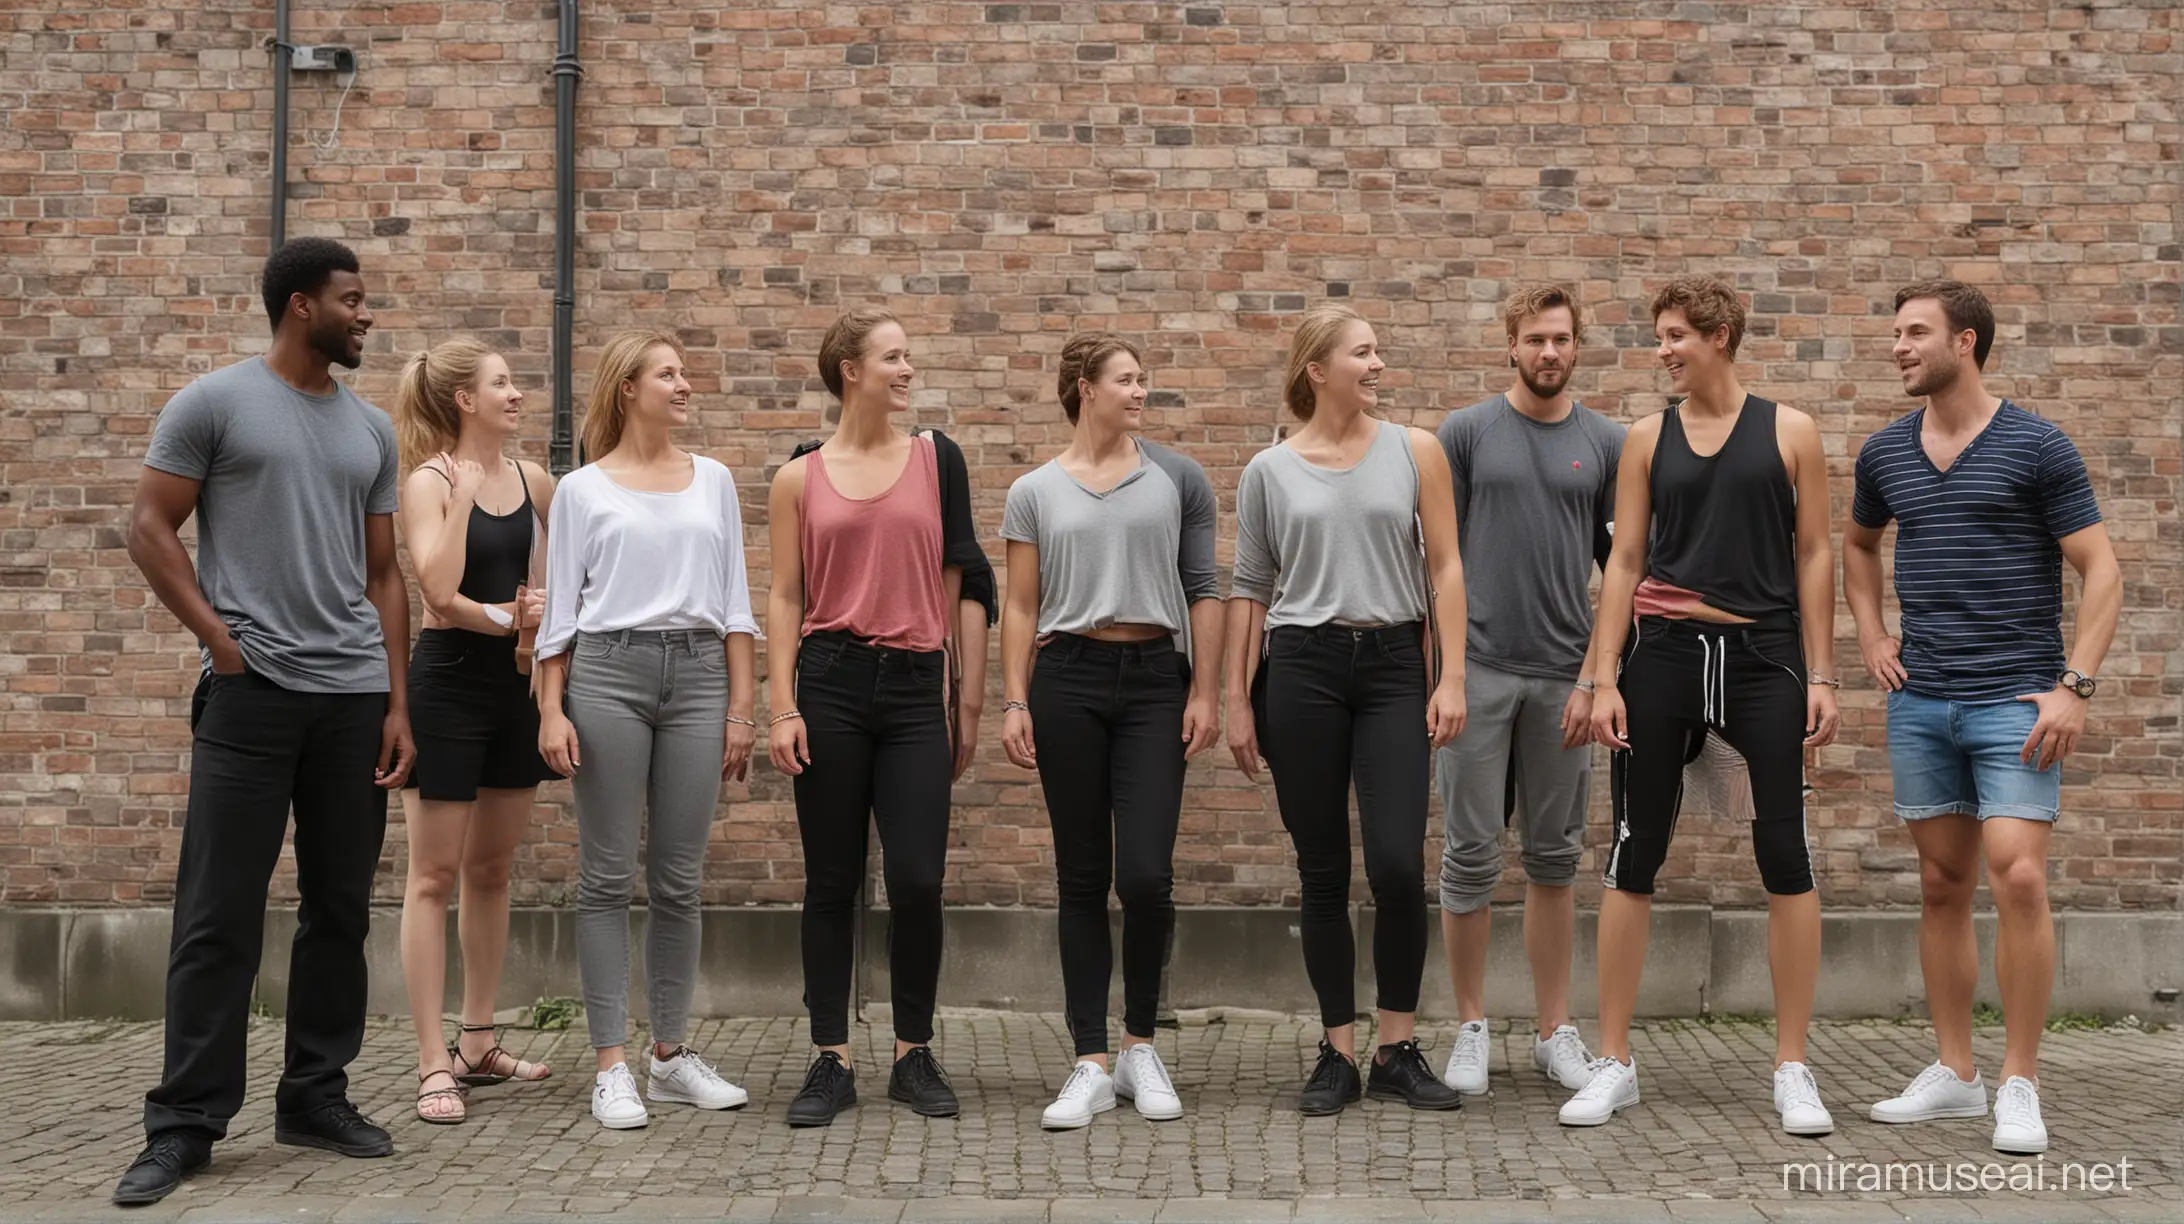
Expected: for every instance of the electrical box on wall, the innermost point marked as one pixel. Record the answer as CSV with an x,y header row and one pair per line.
x,y
325,57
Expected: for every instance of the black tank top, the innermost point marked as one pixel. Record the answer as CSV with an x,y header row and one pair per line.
x,y
1725,524
497,551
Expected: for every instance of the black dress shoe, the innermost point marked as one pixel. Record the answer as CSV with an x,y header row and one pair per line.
x,y
336,1127
166,1159
1333,1084
919,1083
829,1088
1400,1073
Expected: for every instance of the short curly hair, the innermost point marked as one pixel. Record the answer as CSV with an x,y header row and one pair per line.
x,y
1707,303
302,265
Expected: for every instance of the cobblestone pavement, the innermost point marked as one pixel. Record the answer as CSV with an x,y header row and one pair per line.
x,y
1703,1146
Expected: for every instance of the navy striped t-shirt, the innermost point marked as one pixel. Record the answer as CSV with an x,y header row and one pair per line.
x,y
1979,572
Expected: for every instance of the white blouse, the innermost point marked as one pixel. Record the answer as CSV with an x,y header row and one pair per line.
x,y
619,558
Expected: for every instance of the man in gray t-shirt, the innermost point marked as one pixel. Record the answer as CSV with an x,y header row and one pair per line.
x,y
299,606
1534,475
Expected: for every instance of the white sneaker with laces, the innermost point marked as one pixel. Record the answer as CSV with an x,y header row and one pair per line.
x,y
1613,1086
1562,1058
1087,1092
614,1102
2018,1129
1466,1070
1937,1093
1142,1079
682,1078
1797,1100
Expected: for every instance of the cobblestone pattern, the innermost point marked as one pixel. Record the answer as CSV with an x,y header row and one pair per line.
x,y
1000,173
1704,1134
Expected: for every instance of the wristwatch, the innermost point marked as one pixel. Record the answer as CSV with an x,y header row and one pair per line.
x,y
2077,682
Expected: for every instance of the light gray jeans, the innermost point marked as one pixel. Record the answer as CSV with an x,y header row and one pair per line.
x,y
650,709
1510,763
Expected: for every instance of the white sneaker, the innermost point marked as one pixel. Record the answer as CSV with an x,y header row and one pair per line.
x,y
1797,1099
1613,1086
1087,1092
1563,1058
682,1078
1937,1093
1466,1070
2018,1129
614,1100
1142,1078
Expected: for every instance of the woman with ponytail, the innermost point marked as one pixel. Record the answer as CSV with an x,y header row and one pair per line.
x,y
472,516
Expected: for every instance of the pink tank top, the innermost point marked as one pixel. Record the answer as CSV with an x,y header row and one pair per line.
x,y
872,567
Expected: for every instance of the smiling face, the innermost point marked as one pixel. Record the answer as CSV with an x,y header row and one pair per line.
x,y
492,402
338,319
1689,356
1929,356
1349,375
659,394
883,370
1115,398
1545,350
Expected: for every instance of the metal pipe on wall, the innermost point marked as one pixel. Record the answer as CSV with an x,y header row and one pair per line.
x,y
281,62
568,69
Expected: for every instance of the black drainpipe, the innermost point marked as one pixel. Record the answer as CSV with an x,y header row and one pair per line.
x,y
280,124
567,69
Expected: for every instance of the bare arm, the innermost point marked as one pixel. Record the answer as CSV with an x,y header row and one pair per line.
x,y
2100,598
1246,624
436,526
1619,580
165,501
1445,711
389,593
1019,644
785,617
1815,571
1882,652
1202,708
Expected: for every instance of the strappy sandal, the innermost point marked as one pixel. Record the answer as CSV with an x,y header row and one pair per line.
x,y
454,1094
479,1074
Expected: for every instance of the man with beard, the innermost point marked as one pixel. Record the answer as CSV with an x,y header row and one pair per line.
x,y
1988,500
1535,492
303,617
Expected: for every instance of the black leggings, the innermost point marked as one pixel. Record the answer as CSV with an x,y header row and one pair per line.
x,y
1681,679
1107,721
878,734
1337,706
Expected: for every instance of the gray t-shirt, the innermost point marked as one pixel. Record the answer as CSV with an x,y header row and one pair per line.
x,y
1533,507
287,480
1319,546
1140,553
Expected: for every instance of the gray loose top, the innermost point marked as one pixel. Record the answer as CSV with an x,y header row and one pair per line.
x,y
1320,546
1139,553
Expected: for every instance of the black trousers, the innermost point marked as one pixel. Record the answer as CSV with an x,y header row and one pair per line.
x,y
1339,707
877,728
1681,681
259,750
1107,720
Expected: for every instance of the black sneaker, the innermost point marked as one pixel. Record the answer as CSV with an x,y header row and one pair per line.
x,y
1400,1073
1332,1086
829,1088
335,1127
919,1083
166,1159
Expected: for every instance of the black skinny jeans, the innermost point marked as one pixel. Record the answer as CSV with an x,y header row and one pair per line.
x,y
1682,680
258,750
878,734
1335,707
1107,721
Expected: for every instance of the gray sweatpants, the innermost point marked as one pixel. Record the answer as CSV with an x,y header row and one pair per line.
x,y
650,709
1512,735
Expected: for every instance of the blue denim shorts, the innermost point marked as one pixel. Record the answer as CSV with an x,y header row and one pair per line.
x,y
1963,756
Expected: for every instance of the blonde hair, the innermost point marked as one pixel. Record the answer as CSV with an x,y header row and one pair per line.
x,y
1530,301
1707,303
427,420
622,361
1083,358
1315,339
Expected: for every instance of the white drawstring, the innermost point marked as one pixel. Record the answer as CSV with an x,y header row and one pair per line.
x,y
1714,679
1706,679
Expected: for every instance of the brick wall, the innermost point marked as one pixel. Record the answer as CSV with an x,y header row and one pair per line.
x,y
1000,173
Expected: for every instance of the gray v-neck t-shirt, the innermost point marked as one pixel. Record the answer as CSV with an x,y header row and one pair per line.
x,y
1138,554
